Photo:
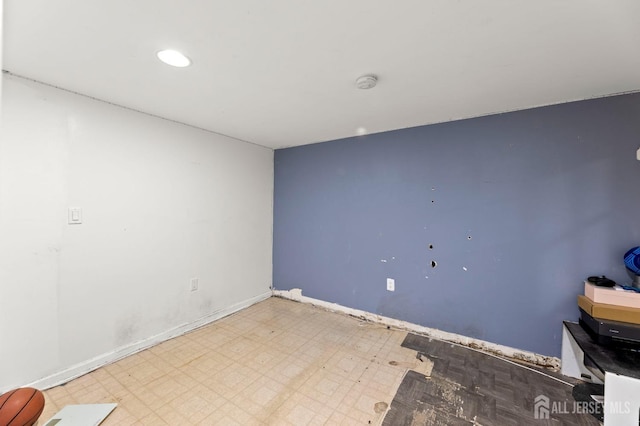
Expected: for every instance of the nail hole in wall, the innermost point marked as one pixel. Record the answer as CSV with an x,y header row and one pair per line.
x,y
469,237
430,246
434,264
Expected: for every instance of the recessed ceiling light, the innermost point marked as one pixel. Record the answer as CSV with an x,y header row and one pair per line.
x,y
174,58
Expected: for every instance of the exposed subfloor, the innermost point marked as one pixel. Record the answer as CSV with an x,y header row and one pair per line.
x,y
468,387
285,363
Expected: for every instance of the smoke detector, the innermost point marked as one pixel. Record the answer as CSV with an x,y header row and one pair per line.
x,y
366,81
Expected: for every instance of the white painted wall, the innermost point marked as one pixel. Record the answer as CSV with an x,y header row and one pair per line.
x,y
1,47
162,203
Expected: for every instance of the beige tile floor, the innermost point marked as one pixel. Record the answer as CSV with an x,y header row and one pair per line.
x,y
275,363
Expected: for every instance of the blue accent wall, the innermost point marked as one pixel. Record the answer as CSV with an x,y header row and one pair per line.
x,y
515,209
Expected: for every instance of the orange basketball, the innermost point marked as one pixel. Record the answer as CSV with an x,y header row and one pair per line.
x,y
21,407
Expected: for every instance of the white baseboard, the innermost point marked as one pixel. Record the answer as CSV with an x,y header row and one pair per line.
x,y
296,295
492,348
104,359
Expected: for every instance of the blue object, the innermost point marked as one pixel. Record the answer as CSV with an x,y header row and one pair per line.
x,y
628,287
632,260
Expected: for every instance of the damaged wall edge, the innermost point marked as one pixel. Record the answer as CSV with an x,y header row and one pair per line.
x,y
88,366
488,347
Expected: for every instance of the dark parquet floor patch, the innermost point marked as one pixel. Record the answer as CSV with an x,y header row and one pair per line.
x,y
467,387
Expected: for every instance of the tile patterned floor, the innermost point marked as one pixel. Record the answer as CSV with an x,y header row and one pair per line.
x,y
275,363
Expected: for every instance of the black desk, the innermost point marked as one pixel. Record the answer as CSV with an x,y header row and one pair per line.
x,y
623,360
583,358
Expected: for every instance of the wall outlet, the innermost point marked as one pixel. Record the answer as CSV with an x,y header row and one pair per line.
x,y
391,284
194,284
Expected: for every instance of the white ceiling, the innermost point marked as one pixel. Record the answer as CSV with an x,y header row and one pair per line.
x,y
281,72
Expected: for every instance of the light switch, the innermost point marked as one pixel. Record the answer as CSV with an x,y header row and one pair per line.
x,y
75,215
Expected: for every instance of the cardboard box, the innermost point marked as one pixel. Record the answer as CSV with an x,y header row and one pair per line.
x,y
611,296
609,312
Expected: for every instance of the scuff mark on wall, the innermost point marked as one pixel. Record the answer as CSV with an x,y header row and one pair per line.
x,y
126,330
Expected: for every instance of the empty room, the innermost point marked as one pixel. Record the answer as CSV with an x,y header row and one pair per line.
x,y
319,213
